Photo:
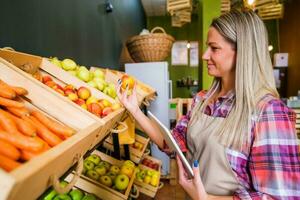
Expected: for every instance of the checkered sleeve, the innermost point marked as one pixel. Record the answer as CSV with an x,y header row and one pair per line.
x,y
274,160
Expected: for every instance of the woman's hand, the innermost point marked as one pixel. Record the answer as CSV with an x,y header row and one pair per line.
x,y
193,187
129,102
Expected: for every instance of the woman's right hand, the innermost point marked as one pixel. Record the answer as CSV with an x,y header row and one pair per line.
x,y
130,102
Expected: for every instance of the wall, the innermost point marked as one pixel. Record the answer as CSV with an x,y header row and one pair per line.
x,y
289,31
76,29
190,32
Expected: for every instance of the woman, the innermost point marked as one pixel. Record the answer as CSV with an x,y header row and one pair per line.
x,y
239,131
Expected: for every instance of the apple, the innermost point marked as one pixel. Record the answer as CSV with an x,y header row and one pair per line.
x,y
121,182
127,81
73,96
106,111
101,84
84,75
91,99
89,197
101,170
99,73
94,158
56,62
68,64
83,68
76,194
104,102
114,169
50,83
60,91
53,193
69,91
62,197
83,93
92,83
94,108
105,164
80,102
149,172
106,180
129,163
46,79
92,174
69,87
116,106
147,179
110,92
154,180
84,106
127,170
112,175
88,165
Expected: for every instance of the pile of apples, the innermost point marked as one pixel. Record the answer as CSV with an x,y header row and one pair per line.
x,y
148,176
74,194
95,78
83,97
116,177
137,145
150,163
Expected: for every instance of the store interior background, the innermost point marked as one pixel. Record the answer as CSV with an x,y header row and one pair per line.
x,y
85,32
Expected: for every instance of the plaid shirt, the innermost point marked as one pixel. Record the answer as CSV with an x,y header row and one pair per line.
x,y
271,170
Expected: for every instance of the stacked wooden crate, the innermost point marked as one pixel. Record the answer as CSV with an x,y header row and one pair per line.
x,y
180,11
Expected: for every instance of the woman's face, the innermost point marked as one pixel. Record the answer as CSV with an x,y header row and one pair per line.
x,y
220,55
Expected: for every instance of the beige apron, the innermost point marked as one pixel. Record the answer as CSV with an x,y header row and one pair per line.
x,y
215,171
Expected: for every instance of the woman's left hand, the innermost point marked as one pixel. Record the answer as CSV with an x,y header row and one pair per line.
x,y
193,186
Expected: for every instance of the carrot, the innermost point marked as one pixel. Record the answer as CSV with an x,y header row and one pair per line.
x,y
25,127
10,103
18,111
20,141
8,164
57,128
28,155
6,91
19,90
9,150
43,131
7,123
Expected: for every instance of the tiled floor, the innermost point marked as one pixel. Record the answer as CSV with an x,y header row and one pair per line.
x,y
167,192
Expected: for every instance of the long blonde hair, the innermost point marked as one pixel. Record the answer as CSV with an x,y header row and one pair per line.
x,y
253,74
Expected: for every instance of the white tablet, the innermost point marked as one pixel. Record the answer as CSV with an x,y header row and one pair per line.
x,y
172,144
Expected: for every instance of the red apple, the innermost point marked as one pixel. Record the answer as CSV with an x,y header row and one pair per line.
x,y
106,111
80,101
50,83
84,93
73,96
69,91
127,81
94,108
46,79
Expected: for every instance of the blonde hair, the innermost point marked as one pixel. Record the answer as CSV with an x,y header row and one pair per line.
x,y
253,74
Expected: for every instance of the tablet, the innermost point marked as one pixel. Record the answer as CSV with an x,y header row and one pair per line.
x,y
172,144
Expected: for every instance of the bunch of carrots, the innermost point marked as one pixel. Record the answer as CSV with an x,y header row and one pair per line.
x,y
25,133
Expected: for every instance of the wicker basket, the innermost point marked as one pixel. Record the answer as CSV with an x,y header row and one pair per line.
x,y
150,48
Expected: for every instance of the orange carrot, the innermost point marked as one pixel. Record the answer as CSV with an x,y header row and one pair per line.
x,y
9,150
18,111
8,164
57,128
6,91
7,123
20,141
19,90
43,131
25,127
10,103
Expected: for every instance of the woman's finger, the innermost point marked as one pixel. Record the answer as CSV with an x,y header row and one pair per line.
x,y
196,171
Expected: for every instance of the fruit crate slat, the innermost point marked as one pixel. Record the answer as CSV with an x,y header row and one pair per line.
x,y
57,160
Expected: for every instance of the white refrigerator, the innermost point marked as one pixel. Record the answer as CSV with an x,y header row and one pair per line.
x,y
156,75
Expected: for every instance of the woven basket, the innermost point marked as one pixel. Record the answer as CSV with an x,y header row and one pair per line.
x,y
150,48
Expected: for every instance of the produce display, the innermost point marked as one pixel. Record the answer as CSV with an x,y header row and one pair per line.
x,y
74,194
150,163
113,176
148,176
95,78
25,133
82,96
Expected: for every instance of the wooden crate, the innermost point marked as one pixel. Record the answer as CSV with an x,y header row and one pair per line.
x,y
135,154
100,190
32,178
145,93
148,189
62,77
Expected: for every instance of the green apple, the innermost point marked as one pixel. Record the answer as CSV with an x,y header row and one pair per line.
x,y
121,182
147,179
92,83
76,194
62,197
82,68
129,163
89,197
53,193
115,169
56,62
149,172
100,169
92,174
101,84
83,75
106,180
105,164
99,73
68,64
94,158
112,175
88,165
91,99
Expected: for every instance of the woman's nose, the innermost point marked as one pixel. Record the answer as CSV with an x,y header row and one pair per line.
x,y
205,55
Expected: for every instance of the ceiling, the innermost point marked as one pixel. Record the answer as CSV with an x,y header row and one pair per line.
x,y
155,7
